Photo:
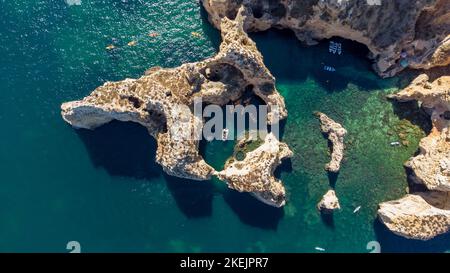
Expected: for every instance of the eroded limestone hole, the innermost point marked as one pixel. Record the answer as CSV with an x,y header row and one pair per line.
x,y
223,72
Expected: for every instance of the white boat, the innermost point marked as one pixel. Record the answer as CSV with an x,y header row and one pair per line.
x,y
329,68
319,248
335,47
225,134
357,209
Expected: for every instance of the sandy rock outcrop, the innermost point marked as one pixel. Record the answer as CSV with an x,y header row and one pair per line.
x,y
398,33
335,133
424,215
162,100
255,172
417,216
432,166
329,202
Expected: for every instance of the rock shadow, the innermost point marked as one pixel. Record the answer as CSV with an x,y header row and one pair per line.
x,y
285,166
413,113
391,243
122,149
126,149
332,179
328,219
208,29
291,61
252,211
193,198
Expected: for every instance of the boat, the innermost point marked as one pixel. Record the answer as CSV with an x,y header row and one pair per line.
x,y
225,134
196,34
319,248
329,68
335,48
357,209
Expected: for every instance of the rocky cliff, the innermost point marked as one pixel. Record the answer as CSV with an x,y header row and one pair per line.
x,y
398,33
254,173
419,216
426,214
162,101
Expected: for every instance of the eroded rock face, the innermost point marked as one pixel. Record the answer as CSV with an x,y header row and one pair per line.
x,y
432,166
335,133
418,216
329,202
425,215
255,172
418,30
162,100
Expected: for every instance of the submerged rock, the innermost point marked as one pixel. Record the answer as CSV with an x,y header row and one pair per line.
x,y
162,99
254,173
392,30
329,202
335,133
427,214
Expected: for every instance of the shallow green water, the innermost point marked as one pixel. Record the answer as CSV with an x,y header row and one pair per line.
x,y
103,189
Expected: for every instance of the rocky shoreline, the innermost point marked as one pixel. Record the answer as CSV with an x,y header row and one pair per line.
x,y
162,100
424,215
399,34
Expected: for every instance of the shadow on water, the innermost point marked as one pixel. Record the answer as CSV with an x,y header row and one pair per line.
x,y
285,166
289,60
393,243
122,149
252,211
413,113
327,219
212,33
126,149
194,198
332,178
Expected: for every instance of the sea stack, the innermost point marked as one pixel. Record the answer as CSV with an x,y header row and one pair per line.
x,y
255,172
335,133
329,202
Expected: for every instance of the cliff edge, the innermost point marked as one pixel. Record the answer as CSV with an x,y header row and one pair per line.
x,y
399,34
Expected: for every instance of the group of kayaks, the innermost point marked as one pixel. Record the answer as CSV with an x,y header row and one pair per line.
x,y
152,35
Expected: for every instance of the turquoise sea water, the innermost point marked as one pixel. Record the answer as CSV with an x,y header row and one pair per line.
x,y
103,189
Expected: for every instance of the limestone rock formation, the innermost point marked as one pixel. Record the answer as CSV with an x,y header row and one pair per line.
x,y
432,166
162,99
418,216
398,33
425,215
255,172
335,133
329,202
